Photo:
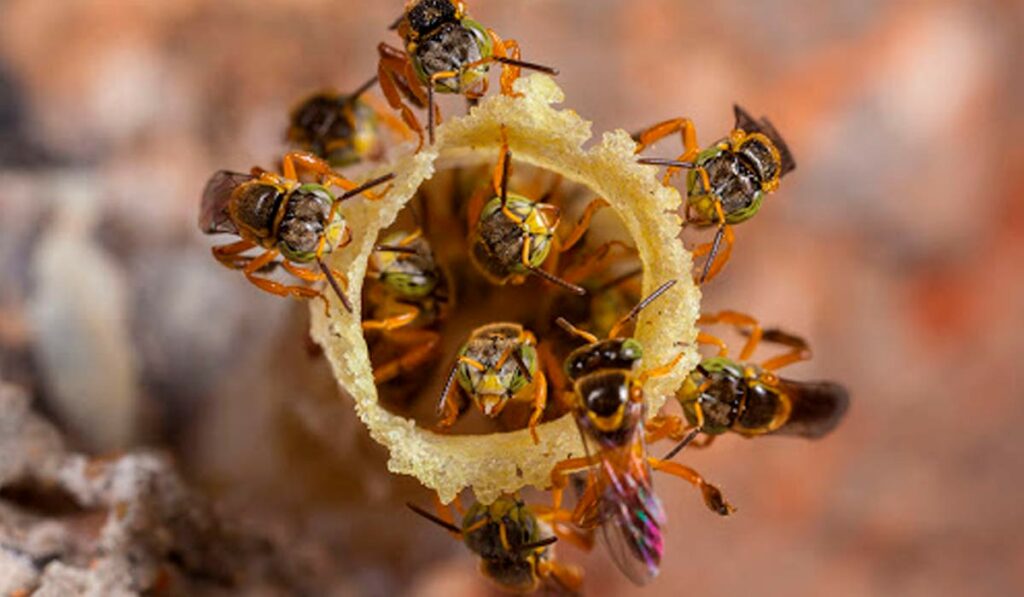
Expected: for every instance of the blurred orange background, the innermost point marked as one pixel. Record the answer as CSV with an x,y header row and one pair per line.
x,y
895,248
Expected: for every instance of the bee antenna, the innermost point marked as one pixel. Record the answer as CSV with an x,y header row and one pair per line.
x,y
575,331
395,249
518,356
665,162
363,88
504,177
683,443
549,277
536,544
368,185
447,387
641,306
549,70
334,284
434,519
394,25
712,254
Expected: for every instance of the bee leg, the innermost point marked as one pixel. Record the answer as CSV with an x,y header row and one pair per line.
x,y
665,426
409,314
568,578
595,261
747,325
683,126
423,342
229,256
311,276
550,364
713,497
583,225
394,63
398,126
561,523
714,262
659,371
508,48
799,349
276,287
540,401
708,339
560,477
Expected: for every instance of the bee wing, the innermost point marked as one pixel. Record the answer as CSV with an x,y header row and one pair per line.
x,y
746,122
818,407
630,513
213,210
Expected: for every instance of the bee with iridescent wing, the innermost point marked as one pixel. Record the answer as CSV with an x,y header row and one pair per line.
x,y
610,411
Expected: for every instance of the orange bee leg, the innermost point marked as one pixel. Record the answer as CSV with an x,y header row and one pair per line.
x,y
394,63
276,287
396,125
665,426
714,262
708,339
747,325
568,578
799,349
713,497
659,371
583,225
509,73
683,126
311,276
540,401
424,343
228,255
596,260
551,365
408,315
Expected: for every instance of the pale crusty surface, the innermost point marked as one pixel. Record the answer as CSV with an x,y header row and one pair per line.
x,y
551,139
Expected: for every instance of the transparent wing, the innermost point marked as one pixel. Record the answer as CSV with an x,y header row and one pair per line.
x,y
818,407
213,210
629,512
748,123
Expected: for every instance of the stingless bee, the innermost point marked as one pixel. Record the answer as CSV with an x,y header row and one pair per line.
x,y
514,546
293,222
609,408
342,129
495,366
445,51
723,395
411,292
512,236
728,181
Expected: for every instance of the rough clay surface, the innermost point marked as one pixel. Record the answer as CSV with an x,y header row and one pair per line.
x,y
551,139
73,525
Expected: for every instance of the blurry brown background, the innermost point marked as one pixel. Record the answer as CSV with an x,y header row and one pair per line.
x,y
895,247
